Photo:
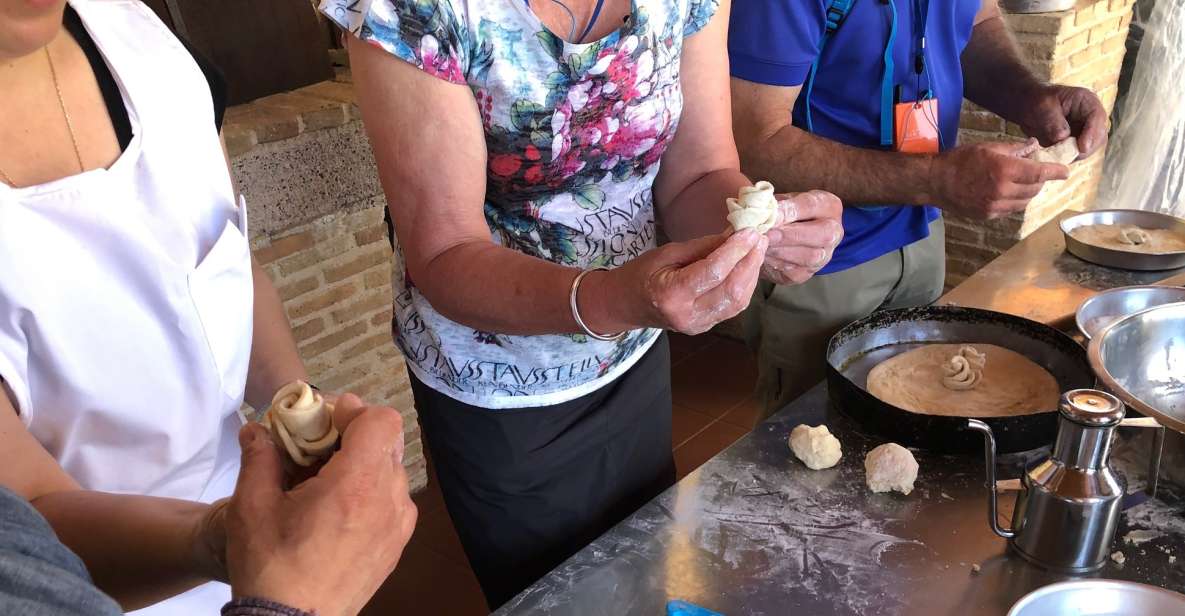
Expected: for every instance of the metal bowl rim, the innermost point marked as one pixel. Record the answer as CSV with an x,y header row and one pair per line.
x,y
1116,291
1094,356
1033,596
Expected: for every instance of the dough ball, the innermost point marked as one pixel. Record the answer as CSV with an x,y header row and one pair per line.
x,y
890,467
754,207
1062,153
816,447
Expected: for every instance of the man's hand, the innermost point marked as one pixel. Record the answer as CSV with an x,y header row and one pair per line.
x,y
990,180
330,542
808,230
1058,112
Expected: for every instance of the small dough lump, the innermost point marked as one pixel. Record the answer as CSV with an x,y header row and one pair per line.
x,y
1134,236
755,207
1062,153
890,467
965,370
816,447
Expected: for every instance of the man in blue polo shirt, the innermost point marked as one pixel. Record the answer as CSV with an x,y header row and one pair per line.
x,y
875,88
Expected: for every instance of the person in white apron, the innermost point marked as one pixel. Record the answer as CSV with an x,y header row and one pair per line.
x,y
127,301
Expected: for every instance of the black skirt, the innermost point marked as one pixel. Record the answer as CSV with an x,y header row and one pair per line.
x,y
527,488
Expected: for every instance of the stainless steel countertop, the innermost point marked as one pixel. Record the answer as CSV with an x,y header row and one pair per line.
x,y
753,531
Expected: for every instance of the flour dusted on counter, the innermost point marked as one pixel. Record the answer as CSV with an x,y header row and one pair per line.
x,y
890,467
303,422
755,207
815,446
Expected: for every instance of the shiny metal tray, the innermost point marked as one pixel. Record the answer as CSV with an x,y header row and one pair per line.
x,y
1109,306
1099,598
1121,258
1141,359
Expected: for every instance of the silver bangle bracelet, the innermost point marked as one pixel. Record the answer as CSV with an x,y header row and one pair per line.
x,y
576,310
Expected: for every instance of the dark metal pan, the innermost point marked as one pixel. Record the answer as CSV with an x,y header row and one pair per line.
x,y
859,347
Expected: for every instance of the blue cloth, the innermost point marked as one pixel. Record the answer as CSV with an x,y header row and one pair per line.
x,y
775,43
38,575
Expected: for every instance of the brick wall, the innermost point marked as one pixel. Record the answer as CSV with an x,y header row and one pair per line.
x,y
1084,46
316,215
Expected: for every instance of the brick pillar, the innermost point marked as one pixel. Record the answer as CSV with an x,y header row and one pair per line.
x,y
1083,46
304,165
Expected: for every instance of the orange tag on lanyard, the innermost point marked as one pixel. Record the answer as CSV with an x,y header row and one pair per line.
x,y
916,127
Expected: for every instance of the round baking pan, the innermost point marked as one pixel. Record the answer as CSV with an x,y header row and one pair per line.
x,y
856,349
1123,259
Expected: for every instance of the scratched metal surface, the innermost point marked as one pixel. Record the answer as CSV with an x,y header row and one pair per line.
x,y
755,532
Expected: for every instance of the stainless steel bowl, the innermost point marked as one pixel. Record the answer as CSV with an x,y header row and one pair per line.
x,y
1122,258
1099,598
1109,306
1141,359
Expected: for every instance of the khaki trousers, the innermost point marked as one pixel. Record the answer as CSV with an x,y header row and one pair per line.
x,y
789,326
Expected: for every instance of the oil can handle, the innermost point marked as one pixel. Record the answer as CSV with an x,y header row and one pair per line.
x,y
1157,448
989,455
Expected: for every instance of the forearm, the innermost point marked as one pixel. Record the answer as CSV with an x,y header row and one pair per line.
x,y
275,360
700,209
996,78
138,549
796,161
495,289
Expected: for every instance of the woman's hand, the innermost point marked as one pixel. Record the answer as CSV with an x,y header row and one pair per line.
x,y
808,230
686,287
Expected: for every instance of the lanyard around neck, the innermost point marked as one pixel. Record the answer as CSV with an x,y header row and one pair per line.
x,y
887,78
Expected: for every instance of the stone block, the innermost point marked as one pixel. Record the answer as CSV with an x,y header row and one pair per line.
x,y
333,340
322,300
362,307
267,123
371,235
297,181
1039,23
284,246
297,288
307,330
369,343
357,263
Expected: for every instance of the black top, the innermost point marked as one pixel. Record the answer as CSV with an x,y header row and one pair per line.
x,y
110,89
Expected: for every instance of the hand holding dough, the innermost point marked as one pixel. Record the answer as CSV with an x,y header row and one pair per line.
x,y
755,207
1062,153
816,447
890,467
965,370
303,422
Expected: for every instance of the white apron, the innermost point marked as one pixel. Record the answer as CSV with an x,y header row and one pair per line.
x,y
126,293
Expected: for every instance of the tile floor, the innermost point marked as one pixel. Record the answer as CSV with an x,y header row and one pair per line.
x,y
710,412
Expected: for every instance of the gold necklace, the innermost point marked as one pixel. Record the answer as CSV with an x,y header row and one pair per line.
x,y
65,113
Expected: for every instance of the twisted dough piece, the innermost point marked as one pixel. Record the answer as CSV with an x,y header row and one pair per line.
x,y
965,370
1133,236
755,207
303,421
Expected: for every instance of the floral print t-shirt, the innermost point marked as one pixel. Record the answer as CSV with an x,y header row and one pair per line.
x,y
574,135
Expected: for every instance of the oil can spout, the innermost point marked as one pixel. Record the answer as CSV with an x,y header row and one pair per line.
x,y
989,455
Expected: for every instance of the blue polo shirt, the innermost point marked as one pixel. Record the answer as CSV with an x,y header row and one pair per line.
x,y
775,42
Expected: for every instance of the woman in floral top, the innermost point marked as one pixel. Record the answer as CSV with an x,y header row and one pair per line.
x,y
515,162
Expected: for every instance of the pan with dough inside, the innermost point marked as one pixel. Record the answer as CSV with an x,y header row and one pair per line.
x,y
1011,384
1129,238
